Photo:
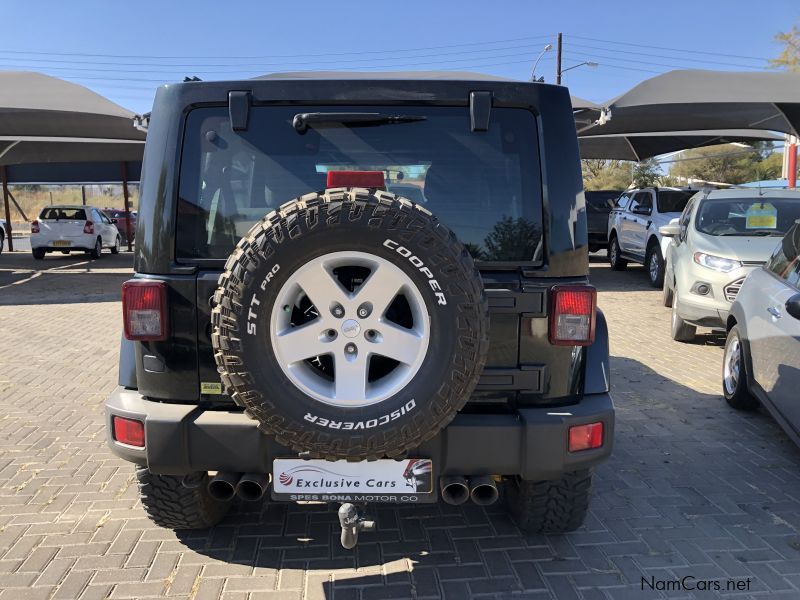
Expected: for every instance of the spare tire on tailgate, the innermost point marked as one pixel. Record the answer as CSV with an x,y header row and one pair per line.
x,y
350,324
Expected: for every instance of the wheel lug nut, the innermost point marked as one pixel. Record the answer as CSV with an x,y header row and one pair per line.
x,y
337,310
364,310
371,334
331,333
350,348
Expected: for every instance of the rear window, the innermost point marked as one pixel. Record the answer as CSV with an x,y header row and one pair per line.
x,y
53,213
485,186
672,200
601,201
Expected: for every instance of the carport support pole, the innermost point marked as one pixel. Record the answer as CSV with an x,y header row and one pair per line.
x,y
8,209
792,166
127,204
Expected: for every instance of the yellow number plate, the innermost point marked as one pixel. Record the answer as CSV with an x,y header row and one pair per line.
x,y
61,243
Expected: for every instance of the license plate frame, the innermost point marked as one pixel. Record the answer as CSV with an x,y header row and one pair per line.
x,y
407,481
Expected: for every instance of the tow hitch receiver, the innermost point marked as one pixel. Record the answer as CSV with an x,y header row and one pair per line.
x,y
352,522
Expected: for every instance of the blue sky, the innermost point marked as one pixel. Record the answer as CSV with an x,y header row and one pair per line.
x,y
124,50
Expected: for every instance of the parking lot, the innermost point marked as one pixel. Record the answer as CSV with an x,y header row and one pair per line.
x,y
693,489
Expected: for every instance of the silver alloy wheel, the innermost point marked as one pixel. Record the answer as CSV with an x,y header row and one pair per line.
x,y
338,330
653,266
732,366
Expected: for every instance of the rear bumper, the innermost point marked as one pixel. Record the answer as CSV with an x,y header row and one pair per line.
x,y
76,242
181,438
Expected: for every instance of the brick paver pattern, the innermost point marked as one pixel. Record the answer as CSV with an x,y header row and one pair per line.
x,y
693,489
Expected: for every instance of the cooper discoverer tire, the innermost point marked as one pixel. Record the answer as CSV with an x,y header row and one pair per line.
x,y
347,236
169,504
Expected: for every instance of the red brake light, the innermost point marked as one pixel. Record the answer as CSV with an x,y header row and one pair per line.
x,y
585,437
34,226
144,309
572,315
88,227
367,179
128,431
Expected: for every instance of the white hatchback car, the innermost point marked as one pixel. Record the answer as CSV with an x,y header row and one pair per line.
x,y
68,228
719,239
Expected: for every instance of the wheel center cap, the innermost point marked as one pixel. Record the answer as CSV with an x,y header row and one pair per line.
x,y
351,328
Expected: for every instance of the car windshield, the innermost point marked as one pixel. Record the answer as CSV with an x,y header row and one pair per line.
x,y
673,201
55,213
485,186
747,216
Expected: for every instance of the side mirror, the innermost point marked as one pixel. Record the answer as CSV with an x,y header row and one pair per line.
x,y
671,230
642,210
793,306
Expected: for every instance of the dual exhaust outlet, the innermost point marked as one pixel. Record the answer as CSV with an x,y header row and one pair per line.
x,y
251,487
224,486
482,490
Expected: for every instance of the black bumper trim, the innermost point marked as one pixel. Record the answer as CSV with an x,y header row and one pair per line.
x,y
181,438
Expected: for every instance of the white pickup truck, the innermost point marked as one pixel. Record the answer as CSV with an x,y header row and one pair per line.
x,y
633,228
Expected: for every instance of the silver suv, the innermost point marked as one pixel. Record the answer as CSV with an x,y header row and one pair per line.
x,y
721,237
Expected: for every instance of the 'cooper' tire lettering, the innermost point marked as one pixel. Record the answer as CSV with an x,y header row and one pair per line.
x,y
416,261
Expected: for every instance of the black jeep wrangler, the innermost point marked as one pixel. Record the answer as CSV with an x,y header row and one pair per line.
x,y
362,288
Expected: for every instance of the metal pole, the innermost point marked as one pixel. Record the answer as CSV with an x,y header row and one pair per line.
x,y
792,183
558,60
83,194
127,205
8,209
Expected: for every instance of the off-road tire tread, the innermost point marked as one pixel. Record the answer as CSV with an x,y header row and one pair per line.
x,y
169,504
550,506
394,214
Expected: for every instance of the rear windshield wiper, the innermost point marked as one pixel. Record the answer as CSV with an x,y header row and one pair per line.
x,y
302,121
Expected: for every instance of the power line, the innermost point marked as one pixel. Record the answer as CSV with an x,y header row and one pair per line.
x,y
685,51
120,67
704,61
273,56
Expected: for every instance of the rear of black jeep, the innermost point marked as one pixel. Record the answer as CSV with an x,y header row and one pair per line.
x,y
362,290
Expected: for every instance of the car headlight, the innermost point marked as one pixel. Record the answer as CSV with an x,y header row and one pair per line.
x,y
718,263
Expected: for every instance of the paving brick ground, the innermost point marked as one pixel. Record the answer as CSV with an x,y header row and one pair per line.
x,y
694,489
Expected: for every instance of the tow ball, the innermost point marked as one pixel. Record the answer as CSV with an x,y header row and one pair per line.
x,y
352,522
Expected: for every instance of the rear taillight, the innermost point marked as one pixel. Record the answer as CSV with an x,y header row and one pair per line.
x,y
144,309
585,437
572,315
128,431
88,227
34,226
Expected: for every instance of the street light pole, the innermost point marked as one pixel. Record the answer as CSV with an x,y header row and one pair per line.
x,y
544,51
588,63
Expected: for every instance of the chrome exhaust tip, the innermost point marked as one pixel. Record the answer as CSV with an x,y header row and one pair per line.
x,y
454,489
223,486
483,490
251,486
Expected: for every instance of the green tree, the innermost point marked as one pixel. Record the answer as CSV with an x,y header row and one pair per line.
x,y
789,58
599,174
646,173
725,163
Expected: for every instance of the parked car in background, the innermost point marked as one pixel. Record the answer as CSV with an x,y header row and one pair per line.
x,y
598,206
2,235
720,238
124,223
68,228
762,353
633,224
